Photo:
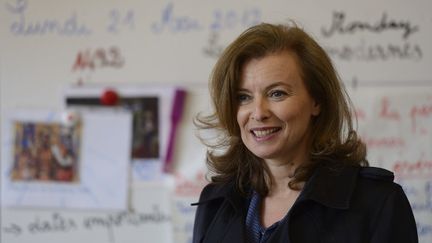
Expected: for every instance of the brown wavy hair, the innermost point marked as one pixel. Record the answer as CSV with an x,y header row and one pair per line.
x,y
334,141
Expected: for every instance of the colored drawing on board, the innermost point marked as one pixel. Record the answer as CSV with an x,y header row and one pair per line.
x,y
46,152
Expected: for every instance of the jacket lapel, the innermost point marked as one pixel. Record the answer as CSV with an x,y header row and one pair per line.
x,y
227,226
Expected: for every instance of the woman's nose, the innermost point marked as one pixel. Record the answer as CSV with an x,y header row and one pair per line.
x,y
260,110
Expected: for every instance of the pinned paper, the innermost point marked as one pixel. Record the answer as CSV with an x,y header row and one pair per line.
x,y
51,159
152,117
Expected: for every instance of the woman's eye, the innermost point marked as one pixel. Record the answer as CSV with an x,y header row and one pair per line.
x,y
277,94
243,98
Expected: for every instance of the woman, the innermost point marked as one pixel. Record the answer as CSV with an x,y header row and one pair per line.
x,y
289,166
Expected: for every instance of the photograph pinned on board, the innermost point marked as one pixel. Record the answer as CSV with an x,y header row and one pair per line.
x,y
145,127
151,107
46,152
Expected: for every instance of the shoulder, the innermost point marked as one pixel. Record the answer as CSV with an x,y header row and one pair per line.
x,y
377,184
376,173
376,180
213,191
386,203
215,194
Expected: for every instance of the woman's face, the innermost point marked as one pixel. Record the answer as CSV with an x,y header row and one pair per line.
x,y
275,109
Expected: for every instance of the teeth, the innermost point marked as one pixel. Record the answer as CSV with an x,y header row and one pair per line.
x,y
262,133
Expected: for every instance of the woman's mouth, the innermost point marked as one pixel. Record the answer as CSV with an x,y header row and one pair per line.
x,y
264,132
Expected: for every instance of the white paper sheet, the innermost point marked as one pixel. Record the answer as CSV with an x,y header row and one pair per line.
x,y
101,179
138,99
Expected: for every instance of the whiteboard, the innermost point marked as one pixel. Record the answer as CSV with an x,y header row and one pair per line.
x,y
381,49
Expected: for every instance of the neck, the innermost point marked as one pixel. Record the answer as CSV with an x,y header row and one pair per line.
x,y
281,174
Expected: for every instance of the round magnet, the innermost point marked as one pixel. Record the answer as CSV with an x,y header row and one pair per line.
x,y
109,97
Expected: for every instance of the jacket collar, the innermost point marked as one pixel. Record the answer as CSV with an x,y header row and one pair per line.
x,y
331,187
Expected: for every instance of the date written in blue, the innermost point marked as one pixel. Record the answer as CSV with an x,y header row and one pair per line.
x,y
121,21
221,20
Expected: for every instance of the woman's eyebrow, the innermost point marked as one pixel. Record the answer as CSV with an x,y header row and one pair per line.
x,y
271,86
289,86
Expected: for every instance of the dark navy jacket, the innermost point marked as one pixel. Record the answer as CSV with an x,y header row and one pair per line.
x,y
351,205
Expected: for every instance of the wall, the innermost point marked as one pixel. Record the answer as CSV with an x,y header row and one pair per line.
x,y
381,49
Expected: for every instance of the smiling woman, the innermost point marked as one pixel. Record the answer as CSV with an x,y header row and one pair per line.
x,y
290,154
275,109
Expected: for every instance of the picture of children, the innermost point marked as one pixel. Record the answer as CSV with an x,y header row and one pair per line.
x,y
46,152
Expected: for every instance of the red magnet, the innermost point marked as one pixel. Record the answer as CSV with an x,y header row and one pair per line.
x,y
109,97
